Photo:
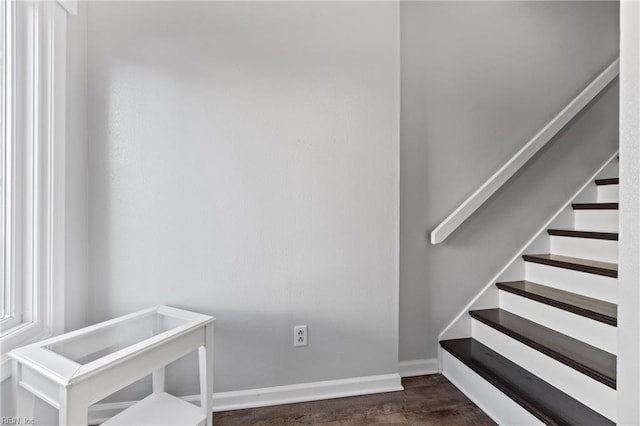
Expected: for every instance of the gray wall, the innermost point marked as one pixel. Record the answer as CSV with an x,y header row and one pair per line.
x,y
244,163
479,79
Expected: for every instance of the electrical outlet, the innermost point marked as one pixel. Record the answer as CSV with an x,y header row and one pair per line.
x,y
300,337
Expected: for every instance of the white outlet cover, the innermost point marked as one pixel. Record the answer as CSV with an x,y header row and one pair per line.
x,y
300,336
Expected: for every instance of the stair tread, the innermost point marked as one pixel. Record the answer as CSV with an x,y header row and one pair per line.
x,y
577,233
595,206
608,181
591,361
588,307
575,263
544,401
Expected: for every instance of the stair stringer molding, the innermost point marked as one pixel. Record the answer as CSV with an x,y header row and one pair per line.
x,y
487,298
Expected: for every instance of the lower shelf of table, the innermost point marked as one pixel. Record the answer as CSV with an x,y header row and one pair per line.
x,y
159,409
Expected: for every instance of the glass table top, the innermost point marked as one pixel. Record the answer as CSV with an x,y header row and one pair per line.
x,y
92,346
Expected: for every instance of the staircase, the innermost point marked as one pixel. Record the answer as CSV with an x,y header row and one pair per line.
x,y
547,353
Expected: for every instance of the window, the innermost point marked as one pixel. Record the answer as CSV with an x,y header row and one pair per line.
x,y
11,303
32,49
5,129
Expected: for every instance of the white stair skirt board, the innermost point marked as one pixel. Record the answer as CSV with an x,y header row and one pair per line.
x,y
585,248
608,193
502,409
592,332
418,367
596,220
277,395
590,392
159,410
590,285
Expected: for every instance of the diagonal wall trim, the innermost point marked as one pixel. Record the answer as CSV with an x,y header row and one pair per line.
x,y
520,158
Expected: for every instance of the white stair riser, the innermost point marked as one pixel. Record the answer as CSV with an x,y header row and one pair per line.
x,y
585,248
590,285
502,409
590,392
596,220
592,332
608,193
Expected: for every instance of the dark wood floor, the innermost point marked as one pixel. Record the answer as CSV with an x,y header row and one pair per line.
x,y
426,400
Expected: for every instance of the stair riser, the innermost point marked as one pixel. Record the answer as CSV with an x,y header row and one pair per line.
x,y
594,333
590,392
502,409
585,248
590,285
596,220
608,193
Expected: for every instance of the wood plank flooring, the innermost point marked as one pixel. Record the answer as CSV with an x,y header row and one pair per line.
x,y
426,400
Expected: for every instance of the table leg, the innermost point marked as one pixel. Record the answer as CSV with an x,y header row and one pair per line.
x,y
205,355
74,409
157,379
23,400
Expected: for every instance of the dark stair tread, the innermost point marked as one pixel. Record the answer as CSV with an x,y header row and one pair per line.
x,y
589,360
595,206
575,233
608,181
538,397
588,307
575,263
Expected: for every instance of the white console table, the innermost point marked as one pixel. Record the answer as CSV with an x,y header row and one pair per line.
x,y
77,369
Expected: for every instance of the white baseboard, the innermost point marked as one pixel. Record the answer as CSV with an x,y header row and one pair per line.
x,y
418,367
276,395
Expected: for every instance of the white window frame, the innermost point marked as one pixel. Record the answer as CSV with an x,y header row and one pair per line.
x,y
34,257
8,299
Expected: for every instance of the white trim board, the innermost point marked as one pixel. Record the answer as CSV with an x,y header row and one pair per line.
x,y
418,367
628,368
276,395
